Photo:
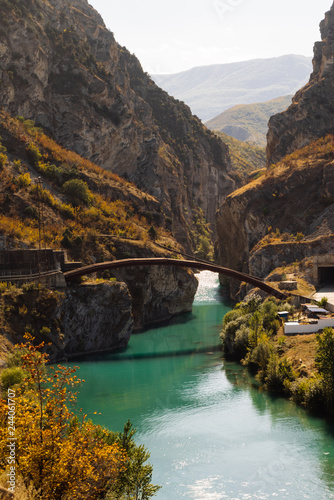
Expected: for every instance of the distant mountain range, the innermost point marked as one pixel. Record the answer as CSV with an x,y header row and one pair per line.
x,y
249,122
210,90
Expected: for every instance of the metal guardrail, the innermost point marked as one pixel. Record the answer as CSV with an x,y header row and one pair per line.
x,y
42,274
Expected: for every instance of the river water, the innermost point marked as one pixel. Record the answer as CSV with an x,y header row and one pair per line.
x,y
211,433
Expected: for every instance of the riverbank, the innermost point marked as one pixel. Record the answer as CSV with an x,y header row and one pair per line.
x,y
297,367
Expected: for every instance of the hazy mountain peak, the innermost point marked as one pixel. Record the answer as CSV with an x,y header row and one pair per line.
x,y
210,90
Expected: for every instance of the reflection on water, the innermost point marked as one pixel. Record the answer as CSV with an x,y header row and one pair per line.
x,y
211,433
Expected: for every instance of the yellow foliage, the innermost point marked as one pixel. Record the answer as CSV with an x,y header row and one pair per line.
x,y
24,180
3,159
105,216
62,457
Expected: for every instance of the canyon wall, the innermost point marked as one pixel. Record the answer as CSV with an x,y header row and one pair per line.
x,y
311,114
61,67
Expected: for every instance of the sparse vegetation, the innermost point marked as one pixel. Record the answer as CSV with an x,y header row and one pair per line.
x,y
62,188
201,236
246,157
323,302
251,335
317,148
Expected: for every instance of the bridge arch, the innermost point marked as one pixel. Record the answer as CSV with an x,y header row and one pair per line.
x,y
161,261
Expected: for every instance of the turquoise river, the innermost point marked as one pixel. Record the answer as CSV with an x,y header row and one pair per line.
x,y
211,433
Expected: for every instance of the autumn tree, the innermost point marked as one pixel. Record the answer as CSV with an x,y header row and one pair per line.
x,y
64,456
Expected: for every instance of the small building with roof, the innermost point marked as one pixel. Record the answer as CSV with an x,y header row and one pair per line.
x,y
315,318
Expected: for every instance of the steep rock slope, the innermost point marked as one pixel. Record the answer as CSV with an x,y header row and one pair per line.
x,y
209,90
61,67
282,217
78,320
311,114
93,318
158,293
102,217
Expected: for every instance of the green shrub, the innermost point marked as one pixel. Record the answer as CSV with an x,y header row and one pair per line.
x,y
258,358
78,190
252,304
279,375
135,481
31,286
269,309
228,336
66,242
45,331
241,343
309,393
270,322
11,376
204,248
31,212
323,302
232,315
14,359
44,195
34,154
325,362
285,307
52,172
152,233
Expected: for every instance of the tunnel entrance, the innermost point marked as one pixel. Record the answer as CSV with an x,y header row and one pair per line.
x,y
326,275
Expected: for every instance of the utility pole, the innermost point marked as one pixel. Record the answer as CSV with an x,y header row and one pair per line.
x,y
39,209
39,230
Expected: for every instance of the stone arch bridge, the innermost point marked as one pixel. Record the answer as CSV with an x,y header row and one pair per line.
x,y
200,265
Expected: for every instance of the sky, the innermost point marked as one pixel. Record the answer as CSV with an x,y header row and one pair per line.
x,y
176,35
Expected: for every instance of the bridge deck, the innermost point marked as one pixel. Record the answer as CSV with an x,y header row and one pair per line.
x,y
116,264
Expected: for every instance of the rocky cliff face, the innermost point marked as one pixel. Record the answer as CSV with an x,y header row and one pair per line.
x,y
94,317
159,293
282,217
288,214
100,317
311,114
80,320
61,67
